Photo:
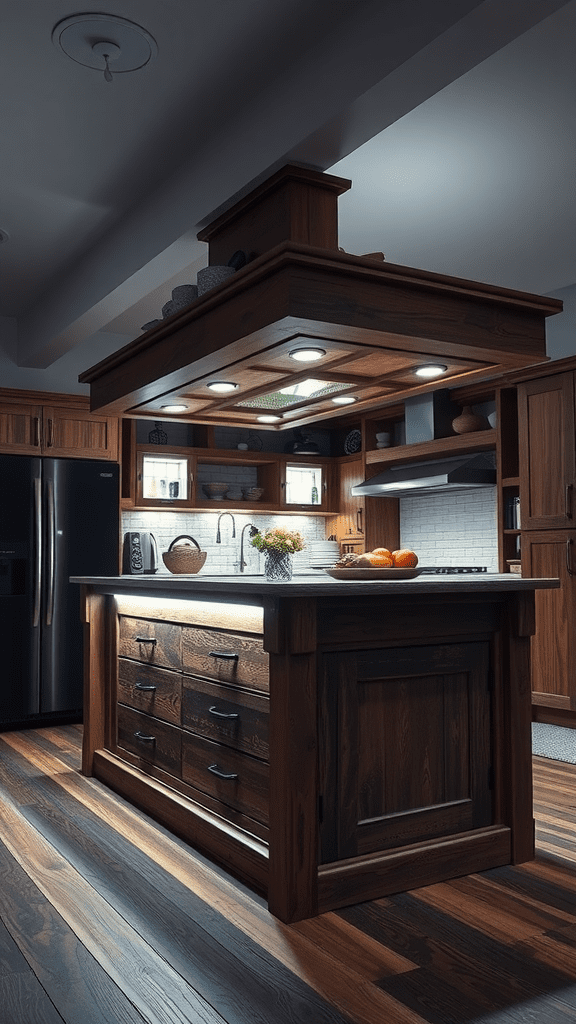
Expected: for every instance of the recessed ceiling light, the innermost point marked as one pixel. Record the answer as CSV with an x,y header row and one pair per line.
x,y
307,355
344,400
430,370
174,408
268,419
222,386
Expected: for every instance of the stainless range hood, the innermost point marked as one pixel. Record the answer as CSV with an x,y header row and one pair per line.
x,y
460,473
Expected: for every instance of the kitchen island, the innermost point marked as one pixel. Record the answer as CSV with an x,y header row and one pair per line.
x,y
327,742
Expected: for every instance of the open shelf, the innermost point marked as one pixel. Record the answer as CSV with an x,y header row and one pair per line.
x,y
479,441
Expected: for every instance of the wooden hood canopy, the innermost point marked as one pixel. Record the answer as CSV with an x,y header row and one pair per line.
x,y
374,322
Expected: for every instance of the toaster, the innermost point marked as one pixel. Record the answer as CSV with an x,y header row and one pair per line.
x,y
140,553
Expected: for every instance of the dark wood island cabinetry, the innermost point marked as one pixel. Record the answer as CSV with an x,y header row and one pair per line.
x,y
327,742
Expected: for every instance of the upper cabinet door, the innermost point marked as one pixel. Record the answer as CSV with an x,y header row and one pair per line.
x,y
20,429
546,441
77,433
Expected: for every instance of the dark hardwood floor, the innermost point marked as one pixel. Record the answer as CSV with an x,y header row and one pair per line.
x,y
106,917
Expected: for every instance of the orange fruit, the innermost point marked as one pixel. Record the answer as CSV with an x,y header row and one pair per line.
x,y
404,558
380,558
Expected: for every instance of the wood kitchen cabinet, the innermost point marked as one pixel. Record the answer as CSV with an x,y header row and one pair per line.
x,y
552,553
547,452
547,481
191,710
348,525
38,423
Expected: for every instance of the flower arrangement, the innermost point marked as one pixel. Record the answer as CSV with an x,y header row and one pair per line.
x,y
284,541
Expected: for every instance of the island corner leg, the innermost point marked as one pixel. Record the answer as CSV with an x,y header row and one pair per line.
x,y
521,626
94,614
294,826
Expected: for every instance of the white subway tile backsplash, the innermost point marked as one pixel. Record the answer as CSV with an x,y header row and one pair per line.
x,y
455,528
224,557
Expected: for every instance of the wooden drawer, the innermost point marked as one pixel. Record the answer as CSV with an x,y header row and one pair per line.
x,y
156,643
154,742
227,657
237,780
156,691
227,715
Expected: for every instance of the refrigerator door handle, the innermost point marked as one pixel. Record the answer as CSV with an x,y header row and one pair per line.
x,y
37,550
51,553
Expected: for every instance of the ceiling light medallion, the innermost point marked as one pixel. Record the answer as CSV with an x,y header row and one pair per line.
x,y
98,40
430,370
222,386
307,355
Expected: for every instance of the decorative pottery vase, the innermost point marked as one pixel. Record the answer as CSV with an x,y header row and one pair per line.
x,y
468,421
277,567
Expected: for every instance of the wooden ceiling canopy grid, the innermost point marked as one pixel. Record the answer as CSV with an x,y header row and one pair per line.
x,y
375,321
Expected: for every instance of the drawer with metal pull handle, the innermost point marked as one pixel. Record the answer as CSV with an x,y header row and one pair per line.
x,y
228,657
151,740
156,691
153,642
235,779
227,714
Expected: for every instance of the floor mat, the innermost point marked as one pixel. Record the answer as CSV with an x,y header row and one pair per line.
x,y
554,741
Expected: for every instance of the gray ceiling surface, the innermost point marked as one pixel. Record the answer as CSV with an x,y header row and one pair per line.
x,y
454,120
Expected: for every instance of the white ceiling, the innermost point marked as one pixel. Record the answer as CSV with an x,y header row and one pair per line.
x,y
454,120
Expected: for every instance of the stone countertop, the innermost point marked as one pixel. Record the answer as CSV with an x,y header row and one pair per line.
x,y
317,584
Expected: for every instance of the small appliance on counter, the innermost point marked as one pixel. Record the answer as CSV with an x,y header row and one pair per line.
x,y
140,554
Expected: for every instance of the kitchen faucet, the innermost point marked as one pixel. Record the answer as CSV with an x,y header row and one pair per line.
x,y
253,532
218,537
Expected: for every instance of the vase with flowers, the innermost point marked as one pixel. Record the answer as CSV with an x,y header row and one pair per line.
x,y
278,546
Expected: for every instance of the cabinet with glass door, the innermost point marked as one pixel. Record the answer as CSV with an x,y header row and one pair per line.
x,y
307,485
164,478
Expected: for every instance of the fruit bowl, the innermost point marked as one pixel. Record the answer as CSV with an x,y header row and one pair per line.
x,y
388,573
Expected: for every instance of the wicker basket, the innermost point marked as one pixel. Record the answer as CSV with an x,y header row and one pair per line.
x,y
184,558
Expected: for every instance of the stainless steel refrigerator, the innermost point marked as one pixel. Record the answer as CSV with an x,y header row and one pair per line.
x,y
58,518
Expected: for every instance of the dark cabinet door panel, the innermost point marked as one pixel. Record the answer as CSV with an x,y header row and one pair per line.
x,y
237,718
154,742
547,456
156,691
409,758
553,646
